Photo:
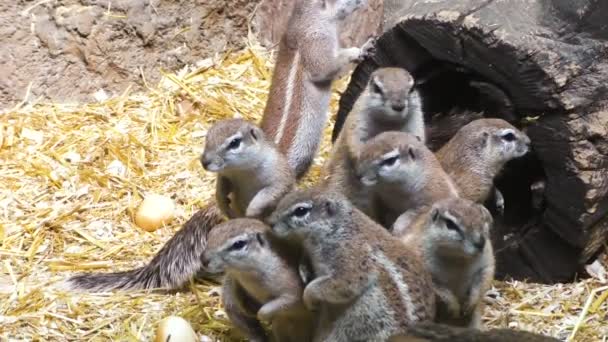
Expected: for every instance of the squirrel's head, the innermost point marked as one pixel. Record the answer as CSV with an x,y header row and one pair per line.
x,y
232,144
494,141
340,9
234,245
458,227
303,213
388,94
392,157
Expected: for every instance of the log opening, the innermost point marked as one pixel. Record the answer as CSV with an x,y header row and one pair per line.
x,y
456,53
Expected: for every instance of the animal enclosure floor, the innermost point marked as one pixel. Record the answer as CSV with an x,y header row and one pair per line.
x,y
72,175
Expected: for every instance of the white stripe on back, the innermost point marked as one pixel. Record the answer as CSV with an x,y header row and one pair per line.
x,y
288,96
397,278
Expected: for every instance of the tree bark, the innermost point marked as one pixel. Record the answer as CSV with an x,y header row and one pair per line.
x,y
549,60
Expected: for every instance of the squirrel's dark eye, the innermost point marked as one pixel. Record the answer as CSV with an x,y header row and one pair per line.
x,y
240,244
508,137
235,143
389,161
449,224
300,211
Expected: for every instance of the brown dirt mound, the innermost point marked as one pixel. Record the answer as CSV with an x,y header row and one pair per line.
x,y
67,50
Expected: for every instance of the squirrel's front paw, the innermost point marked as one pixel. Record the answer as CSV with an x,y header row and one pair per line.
x,y
310,301
253,212
367,48
454,310
264,316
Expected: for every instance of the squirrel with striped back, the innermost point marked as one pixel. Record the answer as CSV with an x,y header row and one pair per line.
x,y
309,60
365,285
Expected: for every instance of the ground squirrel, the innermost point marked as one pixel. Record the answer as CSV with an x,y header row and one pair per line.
x,y
453,238
387,104
309,59
403,176
433,332
261,283
366,286
249,167
477,154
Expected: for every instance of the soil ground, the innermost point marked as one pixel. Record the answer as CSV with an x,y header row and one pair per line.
x,y
66,50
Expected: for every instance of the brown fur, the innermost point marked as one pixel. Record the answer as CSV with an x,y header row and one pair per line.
x,y
309,59
386,104
454,239
412,183
366,285
476,155
441,127
253,176
262,281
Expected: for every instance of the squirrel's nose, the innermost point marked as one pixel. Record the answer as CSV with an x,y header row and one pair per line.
x,y
205,161
397,107
480,243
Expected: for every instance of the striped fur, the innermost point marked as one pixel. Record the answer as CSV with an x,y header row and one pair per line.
x,y
366,286
309,59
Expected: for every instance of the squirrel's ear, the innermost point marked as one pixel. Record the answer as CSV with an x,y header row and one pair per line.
x,y
331,207
484,140
412,152
256,133
260,238
435,214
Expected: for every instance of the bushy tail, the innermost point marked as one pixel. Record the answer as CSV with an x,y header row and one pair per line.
x,y
173,266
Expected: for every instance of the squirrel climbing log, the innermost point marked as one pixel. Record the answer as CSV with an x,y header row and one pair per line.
x,y
541,65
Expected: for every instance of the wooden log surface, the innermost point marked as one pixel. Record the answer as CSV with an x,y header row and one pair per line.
x,y
550,59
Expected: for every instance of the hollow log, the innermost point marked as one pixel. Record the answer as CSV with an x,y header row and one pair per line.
x,y
543,66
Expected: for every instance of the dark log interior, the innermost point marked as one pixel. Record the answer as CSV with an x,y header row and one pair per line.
x,y
470,61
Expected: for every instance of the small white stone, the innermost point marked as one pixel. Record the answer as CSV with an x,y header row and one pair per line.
x,y
215,292
100,95
205,338
597,271
72,157
116,168
198,134
220,314
35,136
74,249
182,175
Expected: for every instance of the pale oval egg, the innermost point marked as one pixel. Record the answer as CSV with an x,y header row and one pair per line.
x,y
175,329
154,211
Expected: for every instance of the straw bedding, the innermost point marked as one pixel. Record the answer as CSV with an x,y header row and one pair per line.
x,y
71,176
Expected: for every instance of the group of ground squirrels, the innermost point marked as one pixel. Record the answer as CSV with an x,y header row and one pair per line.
x,y
392,244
